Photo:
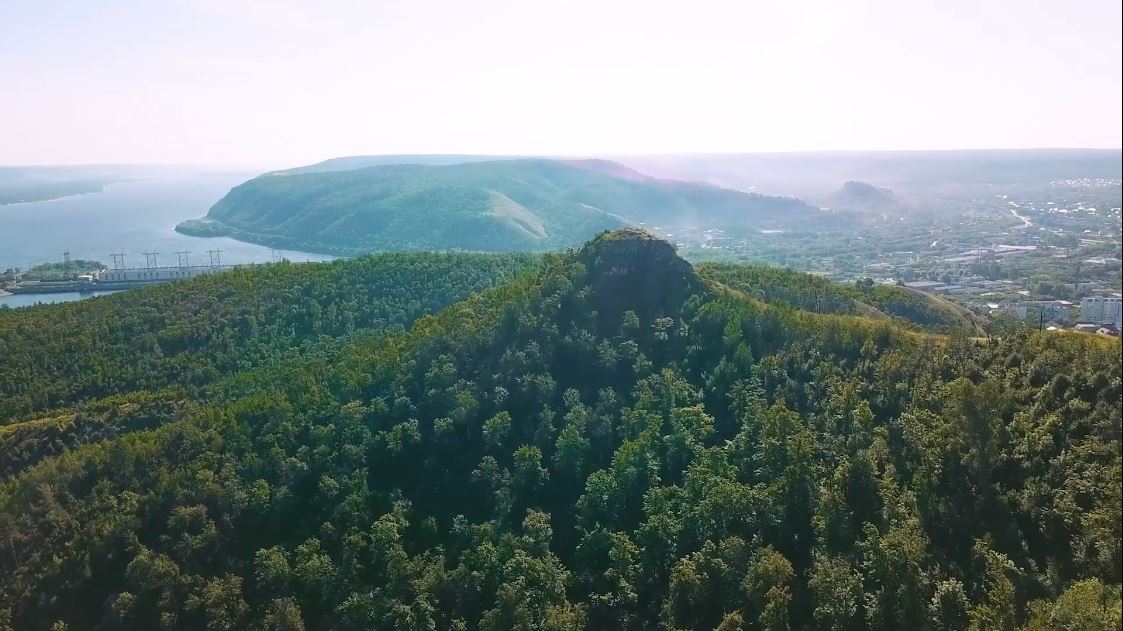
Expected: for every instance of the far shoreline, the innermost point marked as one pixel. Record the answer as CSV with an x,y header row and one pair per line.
x,y
208,228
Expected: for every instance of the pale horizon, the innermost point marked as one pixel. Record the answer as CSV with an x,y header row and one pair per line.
x,y
277,84
252,166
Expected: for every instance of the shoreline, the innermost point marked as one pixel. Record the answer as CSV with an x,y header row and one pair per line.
x,y
207,228
217,229
100,189
52,199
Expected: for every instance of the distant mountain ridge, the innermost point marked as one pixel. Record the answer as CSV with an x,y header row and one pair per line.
x,y
861,196
21,184
479,205
817,174
352,163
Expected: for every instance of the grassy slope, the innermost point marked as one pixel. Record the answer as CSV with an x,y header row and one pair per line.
x,y
948,311
811,293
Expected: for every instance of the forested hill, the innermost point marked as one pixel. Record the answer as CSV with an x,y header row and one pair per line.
x,y
860,196
188,334
612,441
504,205
818,295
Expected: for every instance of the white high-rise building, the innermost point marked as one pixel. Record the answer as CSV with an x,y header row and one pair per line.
x,y
1102,310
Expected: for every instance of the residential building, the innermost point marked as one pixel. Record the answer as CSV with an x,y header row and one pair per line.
x,y
1102,310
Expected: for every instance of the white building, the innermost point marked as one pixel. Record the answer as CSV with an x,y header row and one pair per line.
x,y
1102,310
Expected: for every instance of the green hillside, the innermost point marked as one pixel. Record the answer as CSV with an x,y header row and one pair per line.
x,y
811,293
191,333
507,205
610,441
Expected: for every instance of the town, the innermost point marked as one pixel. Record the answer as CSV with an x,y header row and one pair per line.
x,y
1048,257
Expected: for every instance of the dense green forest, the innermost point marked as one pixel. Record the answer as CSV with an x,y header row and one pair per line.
x,y
502,205
610,441
191,333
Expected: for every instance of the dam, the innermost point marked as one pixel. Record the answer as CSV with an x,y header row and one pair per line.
x,y
121,277
113,280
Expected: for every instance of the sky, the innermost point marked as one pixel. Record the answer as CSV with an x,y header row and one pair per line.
x,y
282,82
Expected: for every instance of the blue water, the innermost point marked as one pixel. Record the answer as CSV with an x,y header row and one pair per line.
x,y
129,216
26,300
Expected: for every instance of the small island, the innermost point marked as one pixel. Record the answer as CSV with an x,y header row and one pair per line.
x,y
203,227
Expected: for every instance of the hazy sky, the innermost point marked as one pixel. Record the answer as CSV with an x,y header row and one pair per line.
x,y
281,82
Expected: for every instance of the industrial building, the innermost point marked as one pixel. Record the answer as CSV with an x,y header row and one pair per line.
x,y
154,274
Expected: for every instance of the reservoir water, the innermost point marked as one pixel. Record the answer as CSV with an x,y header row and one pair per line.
x,y
27,300
131,217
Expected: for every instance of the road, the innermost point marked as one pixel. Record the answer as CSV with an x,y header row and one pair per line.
x,y
1026,223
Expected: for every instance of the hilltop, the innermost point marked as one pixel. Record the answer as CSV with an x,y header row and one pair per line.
x,y
505,205
609,439
863,197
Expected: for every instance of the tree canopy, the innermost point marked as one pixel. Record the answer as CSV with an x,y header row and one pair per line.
x,y
611,440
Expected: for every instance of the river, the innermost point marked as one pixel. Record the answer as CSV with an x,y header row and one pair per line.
x,y
130,216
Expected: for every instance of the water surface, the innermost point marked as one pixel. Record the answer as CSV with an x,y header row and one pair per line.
x,y
132,217
27,300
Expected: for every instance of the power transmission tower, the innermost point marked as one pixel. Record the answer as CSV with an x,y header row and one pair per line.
x,y
150,259
66,260
182,256
216,257
118,260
